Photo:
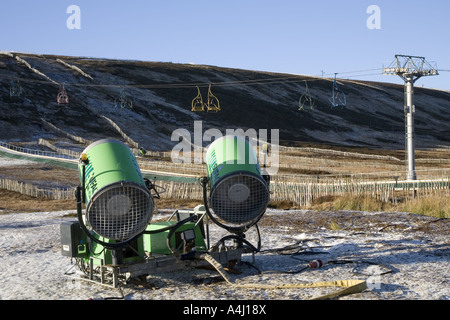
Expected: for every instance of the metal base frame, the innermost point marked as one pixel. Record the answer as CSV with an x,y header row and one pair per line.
x,y
110,275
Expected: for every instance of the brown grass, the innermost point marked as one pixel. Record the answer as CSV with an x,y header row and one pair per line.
x,y
434,206
41,173
283,205
12,202
431,205
16,202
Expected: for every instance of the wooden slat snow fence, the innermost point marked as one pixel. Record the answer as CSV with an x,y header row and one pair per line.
x,y
36,191
300,193
300,189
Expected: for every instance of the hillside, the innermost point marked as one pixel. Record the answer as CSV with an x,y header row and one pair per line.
x,y
161,95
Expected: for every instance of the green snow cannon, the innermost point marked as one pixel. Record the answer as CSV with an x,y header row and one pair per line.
x,y
119,206
239,194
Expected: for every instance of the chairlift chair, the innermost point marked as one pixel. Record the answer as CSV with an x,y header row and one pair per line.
x,y
122,101
15,89
338,99
305,99
197,103
213,103
62,97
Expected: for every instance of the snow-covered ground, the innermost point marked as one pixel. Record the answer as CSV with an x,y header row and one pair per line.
x,y
398,258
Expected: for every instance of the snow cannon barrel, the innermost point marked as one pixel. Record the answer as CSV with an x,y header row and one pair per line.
x,y
239,195
119,206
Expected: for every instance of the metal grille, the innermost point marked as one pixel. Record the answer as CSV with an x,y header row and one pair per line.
x,y
120,211
239,200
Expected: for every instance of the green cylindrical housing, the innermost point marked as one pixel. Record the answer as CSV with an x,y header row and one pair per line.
x,y
230,154
118,203
239,195
109,161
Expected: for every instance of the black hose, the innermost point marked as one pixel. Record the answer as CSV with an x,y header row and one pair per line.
x,y
188,219
238,238
174,228
204,181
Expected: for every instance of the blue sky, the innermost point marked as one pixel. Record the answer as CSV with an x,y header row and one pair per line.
x,y
288,36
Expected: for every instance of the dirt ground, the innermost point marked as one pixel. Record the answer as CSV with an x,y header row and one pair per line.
x,y
401,256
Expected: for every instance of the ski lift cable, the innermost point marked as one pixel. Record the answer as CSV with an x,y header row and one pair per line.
x,y
291,79
264,81
357,71
172,85
295,79
360,75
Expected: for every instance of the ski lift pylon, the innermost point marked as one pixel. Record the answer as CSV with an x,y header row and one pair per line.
x,y
62,97
338,98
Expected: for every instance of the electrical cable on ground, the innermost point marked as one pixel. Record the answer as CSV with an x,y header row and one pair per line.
x,y
349,286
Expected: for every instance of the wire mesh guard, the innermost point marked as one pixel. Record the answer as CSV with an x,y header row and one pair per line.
x,y
120,211
239,200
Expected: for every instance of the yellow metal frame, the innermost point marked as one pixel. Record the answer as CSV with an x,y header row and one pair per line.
x,y
197,103
213,104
